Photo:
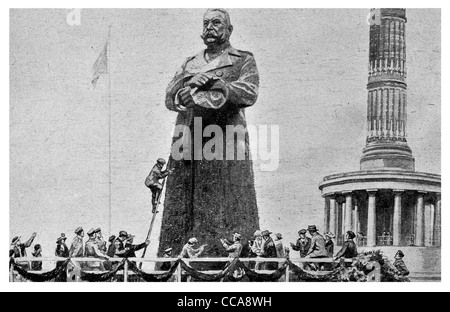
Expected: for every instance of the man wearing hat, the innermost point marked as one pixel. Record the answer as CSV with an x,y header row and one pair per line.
x,y
317,249
133,248
269,251
92,251
400,265
76,249
17,249
119,245
153,178
189,251
349,249
303,244
235,248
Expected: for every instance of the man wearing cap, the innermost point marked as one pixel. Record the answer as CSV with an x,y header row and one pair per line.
x,y
99,240
76,249
111,247
153,178
234,250
119,245
349,249
212,88
402,269
303,244
190,252
92,251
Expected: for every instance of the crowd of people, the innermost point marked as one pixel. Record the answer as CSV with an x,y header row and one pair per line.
x,y
311,245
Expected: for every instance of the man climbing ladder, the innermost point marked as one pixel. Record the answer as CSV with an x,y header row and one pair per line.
x,y
153,182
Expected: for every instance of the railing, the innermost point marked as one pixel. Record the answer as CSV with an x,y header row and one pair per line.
x,y
179,272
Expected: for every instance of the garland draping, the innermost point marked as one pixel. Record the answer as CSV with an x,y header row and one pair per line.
x,y
164,277
42,277
102,277
308,277
230,267
263,277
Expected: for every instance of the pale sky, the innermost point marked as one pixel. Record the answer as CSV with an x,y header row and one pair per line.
x,y
313,71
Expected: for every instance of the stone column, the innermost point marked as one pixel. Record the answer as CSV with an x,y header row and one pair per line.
x,y
437,221
356,218
371,220
420,219
397,217
428,225
348,212
333,220
326,216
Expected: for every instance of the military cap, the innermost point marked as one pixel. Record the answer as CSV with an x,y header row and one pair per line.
x,y
15,239
302,231
91,232
266,233
168,250
112,238
78,230
161,161
192,241
237,235
123,234
279,236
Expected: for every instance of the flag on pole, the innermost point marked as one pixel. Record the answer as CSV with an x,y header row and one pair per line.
x,y
101,64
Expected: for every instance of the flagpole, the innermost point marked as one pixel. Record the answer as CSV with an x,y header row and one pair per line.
x,y
109,125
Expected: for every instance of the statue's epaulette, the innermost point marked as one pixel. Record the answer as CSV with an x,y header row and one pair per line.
x,y
245,52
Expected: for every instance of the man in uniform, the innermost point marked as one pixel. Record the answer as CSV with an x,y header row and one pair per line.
x,y
152,181
401,267
234,250
76,249
99,239
212,88
92,251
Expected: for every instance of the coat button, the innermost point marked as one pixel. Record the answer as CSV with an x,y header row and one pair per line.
x,y
219,73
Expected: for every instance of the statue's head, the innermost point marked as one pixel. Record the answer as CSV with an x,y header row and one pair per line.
x,y
217,27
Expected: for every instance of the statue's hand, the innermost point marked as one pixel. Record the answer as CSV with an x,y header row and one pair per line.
x,y
186,98
199,80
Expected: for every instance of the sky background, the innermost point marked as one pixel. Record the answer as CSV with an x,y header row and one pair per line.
x,y
313,70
